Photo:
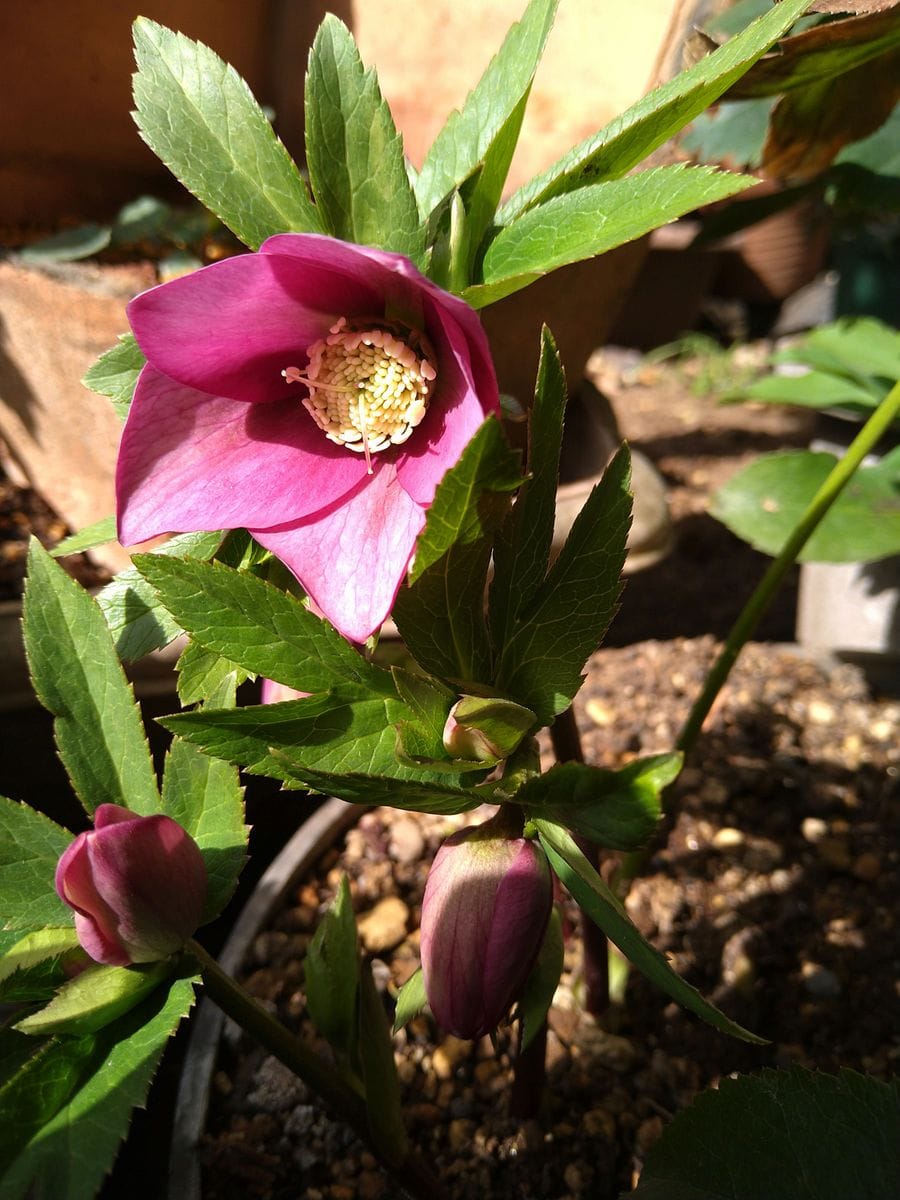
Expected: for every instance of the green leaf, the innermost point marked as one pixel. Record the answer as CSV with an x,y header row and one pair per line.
x,y
31,966
594,219
617,809
763,503
97,534
78,677
70,1145
136,618
115,373
382,1084
198,115
331,973
264,630
354,152
429,700
606,911
861,347
201,672
345,730
633,135
406,795
30,848
69,245
411,1000
440,615
814,390
94,998
36,1087
554,636
522,547
490,113
541,984
790,1135
204,795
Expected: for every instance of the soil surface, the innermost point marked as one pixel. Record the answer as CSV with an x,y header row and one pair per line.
x,y
774,893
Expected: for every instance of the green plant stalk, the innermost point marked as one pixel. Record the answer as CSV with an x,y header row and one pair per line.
x,y
844,470
413,1174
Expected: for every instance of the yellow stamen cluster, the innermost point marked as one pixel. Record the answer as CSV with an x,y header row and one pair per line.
x,y
368,388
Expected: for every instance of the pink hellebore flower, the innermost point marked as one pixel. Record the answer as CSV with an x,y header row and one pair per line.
x,y
314,393
485,910
137,885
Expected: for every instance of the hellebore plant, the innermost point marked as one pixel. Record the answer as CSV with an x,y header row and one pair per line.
x,y
317,422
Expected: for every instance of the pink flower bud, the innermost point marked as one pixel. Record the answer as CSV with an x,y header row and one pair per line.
x,y
137,885
467,741
486,906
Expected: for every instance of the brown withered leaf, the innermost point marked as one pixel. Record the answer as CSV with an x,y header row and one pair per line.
x,y
821,53
810,125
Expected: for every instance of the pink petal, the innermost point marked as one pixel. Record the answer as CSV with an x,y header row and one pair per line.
x,y
95,922
191,461
455,412
352,558
232,327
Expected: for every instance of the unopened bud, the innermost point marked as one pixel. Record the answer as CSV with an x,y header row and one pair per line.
x,y
486,906
137,885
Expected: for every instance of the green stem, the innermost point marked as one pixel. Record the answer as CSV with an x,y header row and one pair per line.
x,y
838,478
413,1175
743,628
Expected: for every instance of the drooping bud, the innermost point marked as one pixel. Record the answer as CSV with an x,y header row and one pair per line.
x,y
486,906
137,885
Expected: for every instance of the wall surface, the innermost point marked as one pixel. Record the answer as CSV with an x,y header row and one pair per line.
x,y
599,58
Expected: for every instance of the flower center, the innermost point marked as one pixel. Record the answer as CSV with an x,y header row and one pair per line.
x,y
368,388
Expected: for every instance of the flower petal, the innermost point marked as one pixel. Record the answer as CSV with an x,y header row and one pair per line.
x,y
95,922
456,410
232,327
191,461
352,557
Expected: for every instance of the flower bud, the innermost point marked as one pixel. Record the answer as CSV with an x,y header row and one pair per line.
x,y
486,906
467,741
137,885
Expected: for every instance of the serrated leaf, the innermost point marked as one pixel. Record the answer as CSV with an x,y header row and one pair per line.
x,y
587,222
97,996
345,730
137,620
354,152
763,503
606,911
440,614
791,1135
78,677
429,700
31,966
633,135
331,973
264,630
204,795
201,672
540,986
406,795
411,1000
97,534
69,1153
197,114
469,135
69,245
542,660
616,809
115,373
522,547
30,848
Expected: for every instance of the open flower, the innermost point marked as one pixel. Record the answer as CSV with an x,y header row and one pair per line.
x,y
137,885
484,914
314,393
